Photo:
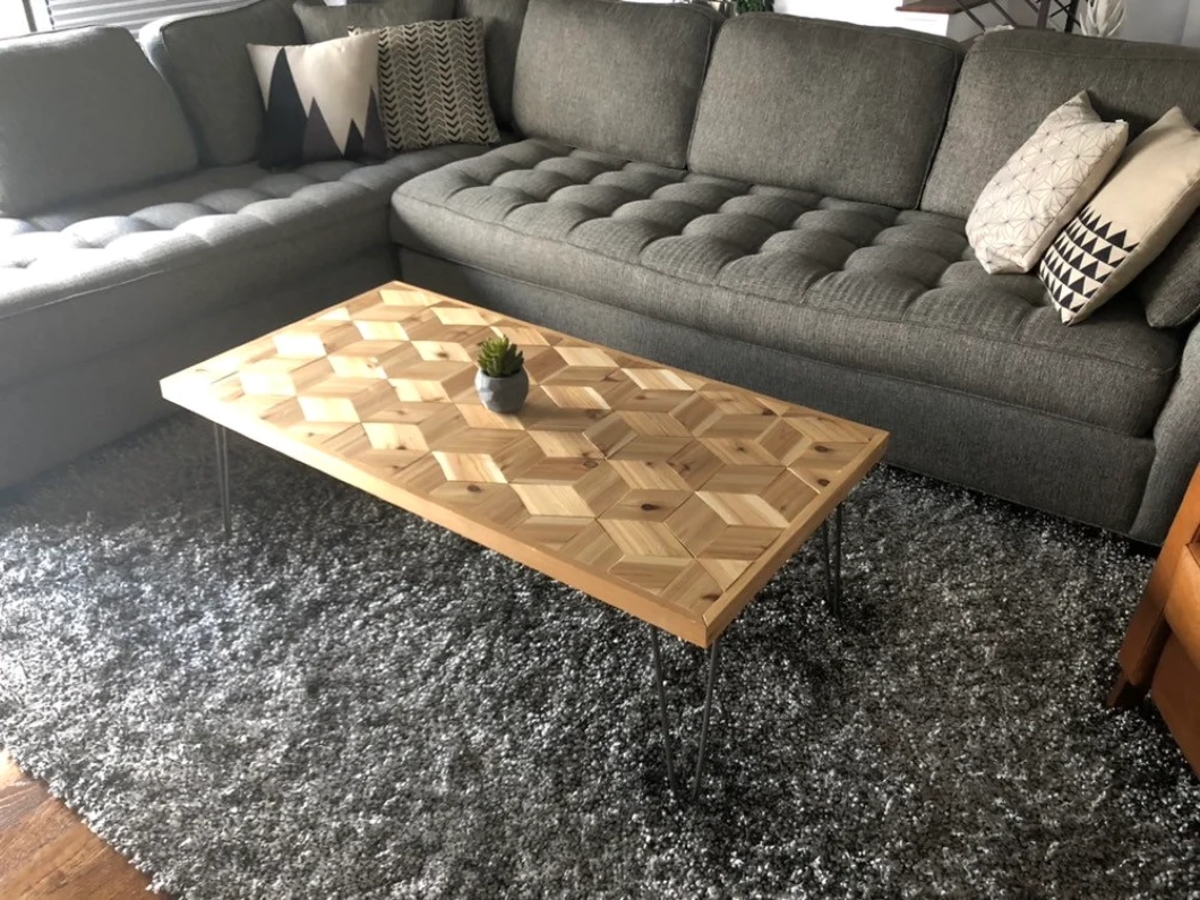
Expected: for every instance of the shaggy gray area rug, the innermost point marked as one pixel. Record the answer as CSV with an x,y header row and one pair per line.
x,y
345,702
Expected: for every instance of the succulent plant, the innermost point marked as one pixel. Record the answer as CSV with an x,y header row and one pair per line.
x,y
500,358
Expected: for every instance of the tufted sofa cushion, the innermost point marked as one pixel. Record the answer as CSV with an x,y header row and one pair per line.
x,y
861,285
84,281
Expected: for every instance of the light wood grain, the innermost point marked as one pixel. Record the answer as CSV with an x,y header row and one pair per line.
x,y
1176,680
666,494
1183,603
47,853
1161,650
1148,628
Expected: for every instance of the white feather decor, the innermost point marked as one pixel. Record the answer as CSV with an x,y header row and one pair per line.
x,y
1102,18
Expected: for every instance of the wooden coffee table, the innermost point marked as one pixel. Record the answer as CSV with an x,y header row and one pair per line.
x,y
671,496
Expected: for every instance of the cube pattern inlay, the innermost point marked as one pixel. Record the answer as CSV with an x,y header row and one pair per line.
x,y
666,484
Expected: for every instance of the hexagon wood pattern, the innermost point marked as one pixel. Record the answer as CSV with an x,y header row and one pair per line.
x,y
669,495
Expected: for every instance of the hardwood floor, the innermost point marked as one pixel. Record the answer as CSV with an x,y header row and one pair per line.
x,y
47,853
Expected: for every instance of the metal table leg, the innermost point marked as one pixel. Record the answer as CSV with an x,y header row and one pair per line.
x,y
656,652
831,545
221,437
714,656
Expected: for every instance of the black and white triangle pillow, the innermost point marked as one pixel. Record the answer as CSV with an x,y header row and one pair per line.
x,y
1082,260
321,101
1152,193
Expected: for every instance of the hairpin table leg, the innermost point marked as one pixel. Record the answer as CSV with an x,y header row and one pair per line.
x,y
706,716
221,437
831,556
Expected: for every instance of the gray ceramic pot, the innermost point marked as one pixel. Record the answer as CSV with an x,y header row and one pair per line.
x,y
502,395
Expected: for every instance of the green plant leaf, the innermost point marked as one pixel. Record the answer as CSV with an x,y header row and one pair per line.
x,y
500,358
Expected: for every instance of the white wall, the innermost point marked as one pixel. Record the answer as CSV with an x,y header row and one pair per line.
x,y
1191,28
884,12
1165,21
863,12
12,18
1158,20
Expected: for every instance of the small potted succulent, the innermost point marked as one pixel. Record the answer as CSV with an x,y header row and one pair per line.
x,y
501,382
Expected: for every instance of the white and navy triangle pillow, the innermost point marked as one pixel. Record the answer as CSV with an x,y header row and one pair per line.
x,y
321,101
1081,259
1152,193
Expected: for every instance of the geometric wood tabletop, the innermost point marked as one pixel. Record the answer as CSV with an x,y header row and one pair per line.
x,y
669,495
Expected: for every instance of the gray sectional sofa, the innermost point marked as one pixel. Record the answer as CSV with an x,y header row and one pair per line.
x,y
775,201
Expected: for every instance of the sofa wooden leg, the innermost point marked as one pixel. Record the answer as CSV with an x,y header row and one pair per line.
x,y
1125,694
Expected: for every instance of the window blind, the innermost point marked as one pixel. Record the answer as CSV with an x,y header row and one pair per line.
x,y
131,14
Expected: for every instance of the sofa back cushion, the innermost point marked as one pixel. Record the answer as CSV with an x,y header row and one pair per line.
x,y
66,133
843,110
1012,80
204,59
328,23
1168,288
620,78
502,21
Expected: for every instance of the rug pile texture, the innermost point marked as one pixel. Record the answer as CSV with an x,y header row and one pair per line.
x,y
346,702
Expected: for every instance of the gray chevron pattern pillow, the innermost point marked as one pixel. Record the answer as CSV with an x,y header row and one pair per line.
x,y
433,85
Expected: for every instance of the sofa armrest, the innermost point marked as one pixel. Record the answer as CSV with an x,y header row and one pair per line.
x,y
1177,449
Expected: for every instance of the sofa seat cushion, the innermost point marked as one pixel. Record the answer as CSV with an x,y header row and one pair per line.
x,y
81,282
855,284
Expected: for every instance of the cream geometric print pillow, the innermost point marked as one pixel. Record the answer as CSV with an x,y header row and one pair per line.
x,y
1151,195
1043,186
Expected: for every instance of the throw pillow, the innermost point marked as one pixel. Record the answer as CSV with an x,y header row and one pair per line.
x,y
326,23
433,85
1149,198
321,101
1043,185
1167,289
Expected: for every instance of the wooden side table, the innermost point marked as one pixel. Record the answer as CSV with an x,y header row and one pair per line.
x,y
1161,652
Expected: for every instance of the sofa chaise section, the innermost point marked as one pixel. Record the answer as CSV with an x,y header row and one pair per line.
x,y
1010,81
810,271
108,285
164,264
124,268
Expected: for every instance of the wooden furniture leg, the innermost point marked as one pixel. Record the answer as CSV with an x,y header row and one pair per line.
x,y
1144,640
1161,651
1125,694
1176,684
